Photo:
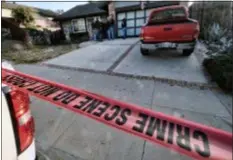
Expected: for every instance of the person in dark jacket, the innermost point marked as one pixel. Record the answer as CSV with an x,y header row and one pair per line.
x,y
101,29
123,26
98,28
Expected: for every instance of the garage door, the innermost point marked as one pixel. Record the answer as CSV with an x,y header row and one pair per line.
x,y
134,20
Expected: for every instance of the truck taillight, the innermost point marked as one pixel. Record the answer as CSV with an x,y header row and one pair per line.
x,y
24,120
141,33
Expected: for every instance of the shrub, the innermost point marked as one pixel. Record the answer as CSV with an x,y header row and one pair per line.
x,y
220,69
214,33
23,15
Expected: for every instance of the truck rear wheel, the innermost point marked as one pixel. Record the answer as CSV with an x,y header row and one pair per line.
x,y
144,52
188,52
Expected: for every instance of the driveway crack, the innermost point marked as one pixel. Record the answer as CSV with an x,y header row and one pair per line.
x,y
118,61
151,104
143,150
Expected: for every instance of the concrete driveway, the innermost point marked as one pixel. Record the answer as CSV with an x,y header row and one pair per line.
x,y
99,56
124,57
162,64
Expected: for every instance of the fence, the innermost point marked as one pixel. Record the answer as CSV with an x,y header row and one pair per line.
x,y
208,13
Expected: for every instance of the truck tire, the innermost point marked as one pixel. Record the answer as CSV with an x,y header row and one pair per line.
x,y
144,52
188,52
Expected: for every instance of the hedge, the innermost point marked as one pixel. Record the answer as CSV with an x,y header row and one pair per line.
x,y
220,69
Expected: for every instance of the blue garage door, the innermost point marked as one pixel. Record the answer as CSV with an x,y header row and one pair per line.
x,y
134,20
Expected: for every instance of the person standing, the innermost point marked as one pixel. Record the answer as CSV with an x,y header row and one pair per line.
x,y
110,31
123,26
94,30
101,30
98,28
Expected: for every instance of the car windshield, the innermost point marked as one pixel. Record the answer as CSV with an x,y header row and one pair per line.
x,y
171,14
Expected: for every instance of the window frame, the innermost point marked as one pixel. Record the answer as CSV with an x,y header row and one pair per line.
x,y
73,21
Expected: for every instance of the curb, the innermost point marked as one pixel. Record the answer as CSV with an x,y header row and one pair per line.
x,y
181,83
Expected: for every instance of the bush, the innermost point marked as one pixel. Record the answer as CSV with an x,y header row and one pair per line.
x,y
220,69
23,15
214,33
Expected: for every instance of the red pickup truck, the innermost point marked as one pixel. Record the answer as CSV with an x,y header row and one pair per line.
x,y
169,27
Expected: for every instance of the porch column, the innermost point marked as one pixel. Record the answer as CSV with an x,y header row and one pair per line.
x,y
112,11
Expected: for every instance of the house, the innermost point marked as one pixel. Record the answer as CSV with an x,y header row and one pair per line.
x,y
43,18
79,19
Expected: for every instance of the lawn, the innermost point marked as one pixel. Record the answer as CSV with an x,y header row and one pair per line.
x,y
37,53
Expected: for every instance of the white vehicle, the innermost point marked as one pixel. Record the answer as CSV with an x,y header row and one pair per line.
x,y
17,123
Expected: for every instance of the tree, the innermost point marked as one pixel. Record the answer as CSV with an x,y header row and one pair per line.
x,y
60,11
23,15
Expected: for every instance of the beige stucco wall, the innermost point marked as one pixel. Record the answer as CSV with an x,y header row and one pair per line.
x,y
6,13
43,22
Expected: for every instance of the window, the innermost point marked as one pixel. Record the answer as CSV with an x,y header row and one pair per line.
x,y
168,15
78,25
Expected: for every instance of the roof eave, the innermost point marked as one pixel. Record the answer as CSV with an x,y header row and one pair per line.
x,y
79,16
147,6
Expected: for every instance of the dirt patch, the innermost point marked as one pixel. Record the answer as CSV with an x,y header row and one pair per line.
x,y
38,53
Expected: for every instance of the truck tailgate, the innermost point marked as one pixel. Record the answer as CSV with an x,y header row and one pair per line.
x,y
175,32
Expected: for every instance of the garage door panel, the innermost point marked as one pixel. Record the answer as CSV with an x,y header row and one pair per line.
x,y
139,22
140,14
119,32
138,31
120,16
130,23
130,32
130,15
119,24
148,12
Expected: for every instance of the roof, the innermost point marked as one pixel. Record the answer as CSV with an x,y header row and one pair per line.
x,y
43,12
81,11
148,5
100,4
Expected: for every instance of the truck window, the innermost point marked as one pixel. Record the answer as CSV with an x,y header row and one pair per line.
x,y
167,15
